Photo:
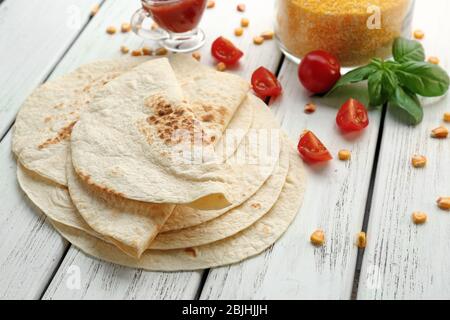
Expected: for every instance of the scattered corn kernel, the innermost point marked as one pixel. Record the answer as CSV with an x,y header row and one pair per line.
x,y
318,238
344,155
434,60
136,53
238,32
419,217
419,161
124,49
210,4
267,35
361,240
258,40
240,7
125,27
310,107
161,51
154,26
95,9
147,51
221,66
447,117
111,30
440,133
245,22
419,34
444,203
197,56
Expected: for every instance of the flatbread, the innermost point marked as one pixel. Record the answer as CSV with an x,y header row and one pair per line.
x,y
131,151
43,125
234,220
249,242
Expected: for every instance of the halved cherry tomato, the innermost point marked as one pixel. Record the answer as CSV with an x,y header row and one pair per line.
x,y
224,50
265,84
312,149
352,116
319,71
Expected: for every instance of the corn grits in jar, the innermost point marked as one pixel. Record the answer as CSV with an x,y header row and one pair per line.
x,y
353,30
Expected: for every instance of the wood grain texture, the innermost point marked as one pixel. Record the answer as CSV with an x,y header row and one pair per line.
x,y
30,250
402,260
107,281
335,200
34,34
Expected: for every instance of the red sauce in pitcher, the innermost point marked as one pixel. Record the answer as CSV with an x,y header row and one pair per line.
x,y
177,16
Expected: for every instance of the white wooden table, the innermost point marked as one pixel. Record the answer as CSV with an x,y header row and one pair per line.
x,y
376,191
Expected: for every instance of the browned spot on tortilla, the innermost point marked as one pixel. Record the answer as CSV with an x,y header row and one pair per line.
x,y
191,251
88,180
207,108
266,229
256,206
63,134
47,119
208,117
58,106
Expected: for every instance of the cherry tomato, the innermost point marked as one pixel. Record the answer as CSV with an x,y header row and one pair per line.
x,y
265,84
224,50
352,116
312,149
319,71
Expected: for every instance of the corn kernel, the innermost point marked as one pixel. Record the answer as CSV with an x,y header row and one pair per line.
x,y
238,32
245,22
444,203
440,133
419,34
434,60
146,51
154,26
240,7
197,56
124,49
210,4
310,108
344,155
267,35
161,51
125,27
258,40
419,161
136,53
95,9
419,217
361,240
111,30
447,117
318,238
221,66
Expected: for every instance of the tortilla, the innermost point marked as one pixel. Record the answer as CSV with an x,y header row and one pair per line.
x,y
234,220
249,182
43,125
249,242
132,151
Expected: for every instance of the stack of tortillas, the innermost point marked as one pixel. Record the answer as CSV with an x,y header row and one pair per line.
x,y
160,164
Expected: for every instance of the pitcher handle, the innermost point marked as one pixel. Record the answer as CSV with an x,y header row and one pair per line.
x,y
136,23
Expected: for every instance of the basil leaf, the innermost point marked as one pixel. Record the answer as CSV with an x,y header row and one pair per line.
x,y
405,50
354,76
390,83
376,89
407,106
422,78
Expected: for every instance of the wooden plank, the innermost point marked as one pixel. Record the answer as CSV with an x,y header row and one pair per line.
x,y
106,281
404,261
334,201
34,34
29,249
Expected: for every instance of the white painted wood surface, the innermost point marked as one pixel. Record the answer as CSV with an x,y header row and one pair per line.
x,y
404,261
106,281
334,201
34,34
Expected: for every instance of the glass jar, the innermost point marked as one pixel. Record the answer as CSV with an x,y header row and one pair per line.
x,y
353,30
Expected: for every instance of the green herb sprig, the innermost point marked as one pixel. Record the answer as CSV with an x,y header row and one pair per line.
x,y
401,80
